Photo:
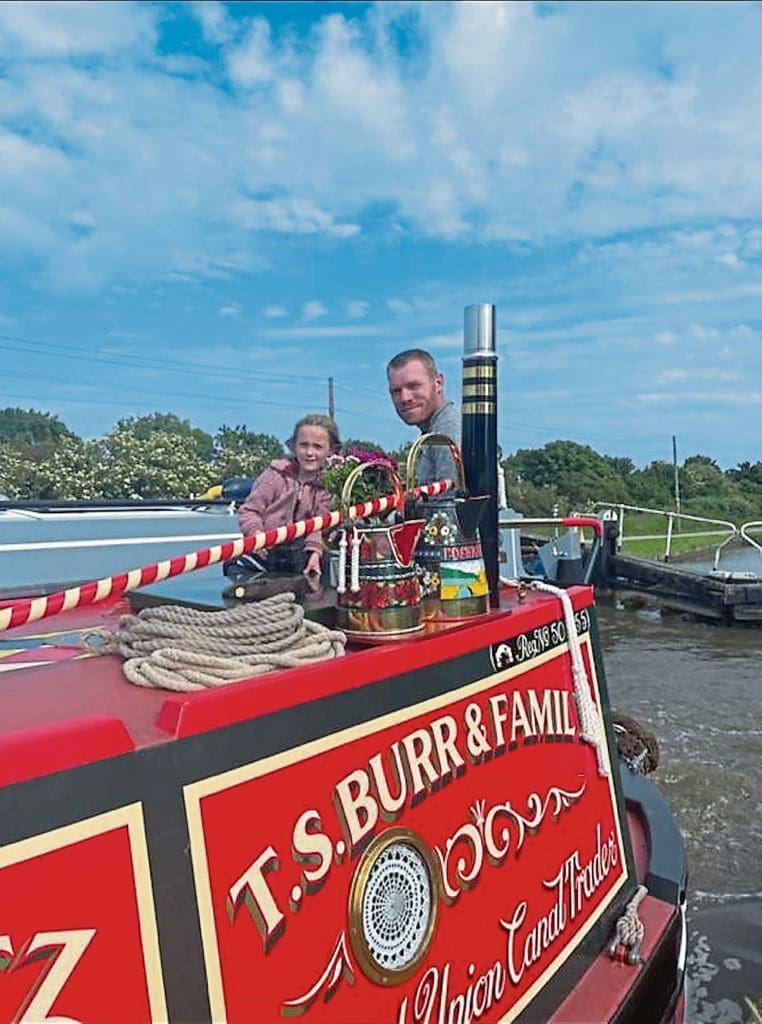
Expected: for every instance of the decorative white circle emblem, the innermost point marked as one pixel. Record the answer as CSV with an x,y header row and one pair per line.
x,y
396,906
393,906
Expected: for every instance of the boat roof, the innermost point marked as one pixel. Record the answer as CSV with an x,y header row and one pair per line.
x,y
46,546
51,681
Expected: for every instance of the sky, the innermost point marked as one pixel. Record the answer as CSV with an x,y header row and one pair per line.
x,y
211,209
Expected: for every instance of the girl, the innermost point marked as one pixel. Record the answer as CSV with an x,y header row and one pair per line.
x,y
291,489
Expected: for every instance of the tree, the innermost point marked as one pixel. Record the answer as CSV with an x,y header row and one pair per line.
x,y
621,465
400,455
701,477
366,446
576,471
526,497
12,472
37,453
27,426
238,451
747,473
142,427
653,487
72,473
161,465
69,472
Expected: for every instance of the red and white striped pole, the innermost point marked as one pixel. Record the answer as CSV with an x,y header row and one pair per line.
x,y
33,609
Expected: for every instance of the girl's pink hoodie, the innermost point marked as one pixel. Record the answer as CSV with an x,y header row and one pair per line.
x,y
279,497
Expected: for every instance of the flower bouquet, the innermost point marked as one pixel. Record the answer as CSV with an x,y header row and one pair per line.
x,y
372,484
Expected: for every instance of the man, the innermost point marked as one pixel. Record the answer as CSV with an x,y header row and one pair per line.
x,y
417,391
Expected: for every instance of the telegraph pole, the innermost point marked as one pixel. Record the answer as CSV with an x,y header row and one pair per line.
x,y
330,397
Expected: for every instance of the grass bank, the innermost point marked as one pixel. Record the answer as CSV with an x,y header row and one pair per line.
x,y
655,547
645,536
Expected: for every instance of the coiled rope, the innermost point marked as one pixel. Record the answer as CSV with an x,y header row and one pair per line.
x,y
184,649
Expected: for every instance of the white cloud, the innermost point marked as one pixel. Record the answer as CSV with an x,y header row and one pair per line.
x,y
67,28
291,94
231,309
21,233
28,161
702,333
83,219
307,333
273,312
688,375
314,310
292,215
437,342
363,95
254,62
495,124
711,399
215,22
357,309
729,259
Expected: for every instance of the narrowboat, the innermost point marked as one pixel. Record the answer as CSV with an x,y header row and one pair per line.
x,y
53,544
425,823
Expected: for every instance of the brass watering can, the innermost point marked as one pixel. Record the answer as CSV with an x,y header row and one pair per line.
x,y
378,593
449,556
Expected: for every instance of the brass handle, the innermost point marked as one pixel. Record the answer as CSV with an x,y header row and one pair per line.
x,y
437,439
357,472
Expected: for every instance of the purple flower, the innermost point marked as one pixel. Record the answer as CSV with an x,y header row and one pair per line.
x,y
363,456
341,464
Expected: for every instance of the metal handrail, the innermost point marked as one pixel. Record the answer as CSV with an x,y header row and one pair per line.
x,y
579,522
755,524
671,517
573,522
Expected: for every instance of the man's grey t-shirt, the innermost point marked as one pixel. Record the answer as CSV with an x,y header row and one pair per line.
x,y
435,461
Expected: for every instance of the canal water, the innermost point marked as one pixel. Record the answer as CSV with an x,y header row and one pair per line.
x,y
734,558
698,687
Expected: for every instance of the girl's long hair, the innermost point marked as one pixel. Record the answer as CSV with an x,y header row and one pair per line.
x,y
316,419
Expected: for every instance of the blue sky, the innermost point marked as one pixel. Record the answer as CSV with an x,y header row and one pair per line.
x,y
209,209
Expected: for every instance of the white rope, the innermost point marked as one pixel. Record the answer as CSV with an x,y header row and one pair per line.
x,y
184,649
354,575
589,720
341,583
630,930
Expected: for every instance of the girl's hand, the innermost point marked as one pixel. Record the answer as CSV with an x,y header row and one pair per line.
x,y
312,568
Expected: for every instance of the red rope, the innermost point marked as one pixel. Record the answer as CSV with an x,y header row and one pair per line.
x,y
33,609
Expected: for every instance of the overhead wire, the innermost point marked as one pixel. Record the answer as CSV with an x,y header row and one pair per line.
x,y
169,365
165,364
136,360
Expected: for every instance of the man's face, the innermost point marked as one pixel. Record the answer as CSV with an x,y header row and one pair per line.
x,y
415,393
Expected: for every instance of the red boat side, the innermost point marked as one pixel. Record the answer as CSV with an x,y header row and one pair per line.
x,y
232,855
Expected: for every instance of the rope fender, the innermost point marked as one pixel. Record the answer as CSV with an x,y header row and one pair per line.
x,y
183,649
636,746
630,930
